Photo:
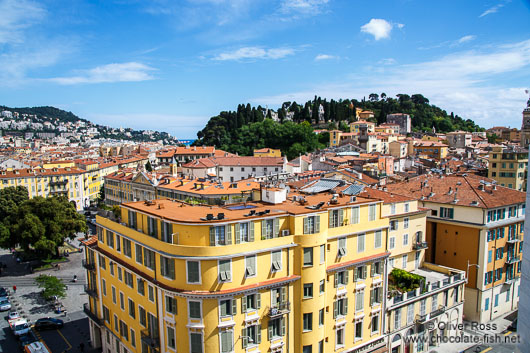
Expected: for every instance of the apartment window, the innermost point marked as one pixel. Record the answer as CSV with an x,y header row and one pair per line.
x,y
308,290
227,338
124,330
308,256
221,235
127,249
355,212
102,262
276,328
227,307
113,291
394,225
132,309
120,274
322,253
276,259
194,308
167,267
251,335
152,224
129,280
393,208
167,232
149,259
225,273
341,278
375,323
321,317
358,330
360,273
342,246
138,253
406,207
397,318
490,256
391,243
488,277
193,271
499,254
116,323
311,224
446,212
378,239
132,219
110,239
372,212
405,223
410,314
250,265
404,262
336,218
196,343
360,242
405,239
270,228
171,337
140,284
250,302
244,232
308,321
122,301
340,308
498,274
118,243
496,300
359,300
151,293
171,305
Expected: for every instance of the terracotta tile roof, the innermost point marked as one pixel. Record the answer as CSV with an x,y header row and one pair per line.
x,y
91,241
25,173
248,161
200,163
467,187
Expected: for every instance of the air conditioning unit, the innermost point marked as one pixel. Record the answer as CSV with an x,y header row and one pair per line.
x,y
285,232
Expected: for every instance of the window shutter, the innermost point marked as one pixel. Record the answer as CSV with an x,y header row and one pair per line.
x,y
345,306
372,270
269,331
155,227
364,272
283,294
336,279
228,230
243,304
346,276
317,224
380,296
234,306
355,273
341,217
282,324
331,219
251,231
212,236
371,297
258,300
276,227
258,334
244,338
237,233
306,228
335,309
263,230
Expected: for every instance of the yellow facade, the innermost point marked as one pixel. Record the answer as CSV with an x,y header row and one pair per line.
x,y
508,167
267,152
292,272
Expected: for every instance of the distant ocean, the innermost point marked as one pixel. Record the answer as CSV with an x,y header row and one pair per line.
x,y
187,142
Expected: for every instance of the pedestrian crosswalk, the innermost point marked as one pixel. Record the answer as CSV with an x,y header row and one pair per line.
x,y
30,281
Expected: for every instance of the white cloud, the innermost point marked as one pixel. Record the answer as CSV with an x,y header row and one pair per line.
x,y
387,61
378,27
465,82
123,72
254,53
494,9
320,57
465,39
302,6
16,15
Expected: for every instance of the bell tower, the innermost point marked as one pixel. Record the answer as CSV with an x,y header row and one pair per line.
x,y
173,167
525,128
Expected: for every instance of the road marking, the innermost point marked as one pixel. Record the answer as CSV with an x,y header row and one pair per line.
x,y
65,340
508,333
486,350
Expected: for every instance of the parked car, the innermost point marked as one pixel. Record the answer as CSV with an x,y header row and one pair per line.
x,y
13,315
3,292
48,323
4,304
19,326
26,339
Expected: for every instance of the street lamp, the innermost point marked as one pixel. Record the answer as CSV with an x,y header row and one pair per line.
x,y
467,270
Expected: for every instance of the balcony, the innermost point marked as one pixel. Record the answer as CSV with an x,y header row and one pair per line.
x,y
91,315
421,319
513,239
510,279
58,182
91,290
151,338
513,259
419,245
280,309
437,312
89,265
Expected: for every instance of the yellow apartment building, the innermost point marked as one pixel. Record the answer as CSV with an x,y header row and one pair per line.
x,y
474,222
508,166
267,152
286,274
436,150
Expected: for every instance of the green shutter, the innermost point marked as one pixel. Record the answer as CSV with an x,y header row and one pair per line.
x,y
345,306
228,230
263,230
371,297
282,324
336,279
234,306
276,227
355,273
317,224
341,217
251,231
258,334
335,309
270,330
237,233
258,300
212,236
244,338
331,225
243,304
364,272
372,269
283,294
346,276
306,227
380,295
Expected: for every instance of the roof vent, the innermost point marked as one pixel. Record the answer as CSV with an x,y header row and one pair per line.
x,y
220,216
474,203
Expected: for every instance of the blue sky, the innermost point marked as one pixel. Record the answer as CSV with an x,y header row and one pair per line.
x,y
171,64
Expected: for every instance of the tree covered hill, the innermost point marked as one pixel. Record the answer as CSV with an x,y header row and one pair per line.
x,y
247,128
47,111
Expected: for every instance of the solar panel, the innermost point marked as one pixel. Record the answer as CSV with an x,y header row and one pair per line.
x,y
354,189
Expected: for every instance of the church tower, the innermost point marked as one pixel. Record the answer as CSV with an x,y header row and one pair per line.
x,y
173,167
525,128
